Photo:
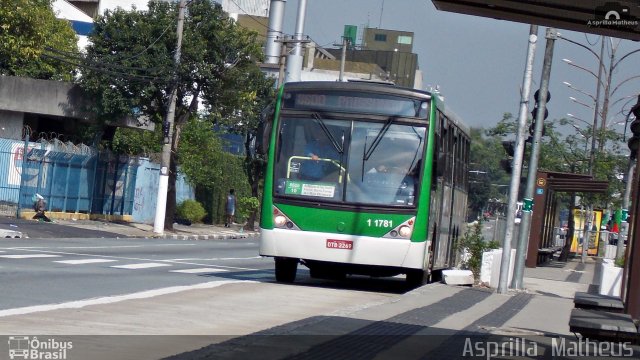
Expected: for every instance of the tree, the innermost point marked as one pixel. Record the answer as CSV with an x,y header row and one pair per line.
x,y
252,105
30,36
486,176
129,68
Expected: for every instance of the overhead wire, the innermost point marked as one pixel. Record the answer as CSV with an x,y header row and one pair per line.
x,y
128,76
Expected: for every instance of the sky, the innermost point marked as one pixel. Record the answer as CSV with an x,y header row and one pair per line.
x,y
476,62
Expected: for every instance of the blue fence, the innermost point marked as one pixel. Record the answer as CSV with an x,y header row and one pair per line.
x,y
146,191
78,179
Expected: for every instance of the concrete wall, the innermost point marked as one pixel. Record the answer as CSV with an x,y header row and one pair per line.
x,y
11,124
46,97
146,192
52,98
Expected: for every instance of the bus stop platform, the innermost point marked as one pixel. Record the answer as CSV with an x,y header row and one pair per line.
x,y
437,321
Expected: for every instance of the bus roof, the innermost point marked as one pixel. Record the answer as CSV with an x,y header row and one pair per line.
x,y
379,87
358,86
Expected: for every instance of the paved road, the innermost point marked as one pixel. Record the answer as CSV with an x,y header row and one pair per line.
x,y
43,230
160,286
47,271
52,271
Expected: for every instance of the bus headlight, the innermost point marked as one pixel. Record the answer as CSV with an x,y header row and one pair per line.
x,y
280,220
404,231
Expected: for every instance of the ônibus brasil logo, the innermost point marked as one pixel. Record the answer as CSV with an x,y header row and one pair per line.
x,y
32,348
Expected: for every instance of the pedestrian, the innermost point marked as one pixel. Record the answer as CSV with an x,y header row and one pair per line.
x,y
39,206
230,208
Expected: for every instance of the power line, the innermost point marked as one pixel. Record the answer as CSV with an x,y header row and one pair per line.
x,y
128,76
84,59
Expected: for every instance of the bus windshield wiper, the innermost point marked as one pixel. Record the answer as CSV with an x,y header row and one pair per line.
x,y
338,146
376,141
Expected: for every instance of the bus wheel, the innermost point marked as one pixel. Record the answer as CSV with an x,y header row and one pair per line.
x,y
286,269
416,278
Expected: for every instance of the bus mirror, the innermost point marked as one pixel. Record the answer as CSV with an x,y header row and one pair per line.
x,y
262,138
440,164
264,130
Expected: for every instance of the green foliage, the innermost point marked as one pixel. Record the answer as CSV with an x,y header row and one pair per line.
x,y
132,58
200,155
488,179
474,244
246,206
232,166
568,153
137,142
619,262
191,210
132,72
28,30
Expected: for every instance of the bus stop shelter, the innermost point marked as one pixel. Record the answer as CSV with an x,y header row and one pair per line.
x,y
545,214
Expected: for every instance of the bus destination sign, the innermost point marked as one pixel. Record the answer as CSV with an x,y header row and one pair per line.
x,y
359,102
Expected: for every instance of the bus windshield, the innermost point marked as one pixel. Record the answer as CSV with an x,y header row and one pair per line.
x,y
349,161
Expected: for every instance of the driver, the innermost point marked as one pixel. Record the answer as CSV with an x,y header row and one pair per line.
x,y
318,148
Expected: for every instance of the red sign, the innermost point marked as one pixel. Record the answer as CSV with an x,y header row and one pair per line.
x,y
340,244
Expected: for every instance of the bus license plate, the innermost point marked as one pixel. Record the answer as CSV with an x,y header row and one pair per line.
x,y
340,244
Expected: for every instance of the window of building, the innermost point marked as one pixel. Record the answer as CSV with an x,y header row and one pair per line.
x,y
403,39
380,37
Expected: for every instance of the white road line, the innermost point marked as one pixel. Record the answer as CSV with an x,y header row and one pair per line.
x,y
215,259
28,256
84,261
140,266
170,261
95,247
118,298
198,270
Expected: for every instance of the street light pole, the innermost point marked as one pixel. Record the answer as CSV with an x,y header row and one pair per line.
x,y
527,208
592,156
517,160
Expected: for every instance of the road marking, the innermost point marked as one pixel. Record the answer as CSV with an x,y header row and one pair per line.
x,y
84,261
198,270
139,266
117,298
28,256
215,259
122,258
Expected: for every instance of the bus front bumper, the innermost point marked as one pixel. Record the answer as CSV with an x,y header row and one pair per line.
x,y
341,248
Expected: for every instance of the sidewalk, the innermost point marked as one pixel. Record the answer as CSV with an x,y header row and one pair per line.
x,y
436,321
180,232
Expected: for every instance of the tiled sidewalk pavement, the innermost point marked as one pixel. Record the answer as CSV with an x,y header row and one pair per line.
x,y
431,322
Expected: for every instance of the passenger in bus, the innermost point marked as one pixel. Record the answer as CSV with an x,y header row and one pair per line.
x,y
317,149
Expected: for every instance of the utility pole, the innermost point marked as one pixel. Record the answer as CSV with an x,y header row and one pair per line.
x,y
343,58
624,231
517,161
527,208
167,127
283,56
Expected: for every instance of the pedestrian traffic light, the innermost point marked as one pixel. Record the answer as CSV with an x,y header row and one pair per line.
x,y
534,113
510,148
634,141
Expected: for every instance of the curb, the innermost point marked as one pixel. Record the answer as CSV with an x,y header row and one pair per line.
x,y
11,234
214,236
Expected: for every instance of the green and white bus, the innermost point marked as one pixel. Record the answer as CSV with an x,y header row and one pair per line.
x,y
385,195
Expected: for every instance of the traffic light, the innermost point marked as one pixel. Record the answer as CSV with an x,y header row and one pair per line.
x,y
634,141
534,113
510,148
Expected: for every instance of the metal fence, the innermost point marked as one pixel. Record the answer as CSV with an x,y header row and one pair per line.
x,y
72,178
